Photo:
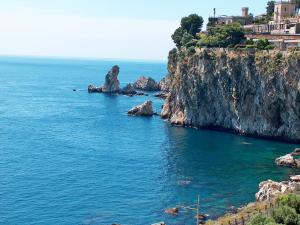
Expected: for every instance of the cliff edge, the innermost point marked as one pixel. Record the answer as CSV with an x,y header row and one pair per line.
x,y
250,92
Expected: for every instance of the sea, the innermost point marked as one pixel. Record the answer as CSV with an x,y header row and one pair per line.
x,y
69,157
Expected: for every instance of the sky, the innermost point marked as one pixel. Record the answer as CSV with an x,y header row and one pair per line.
x,y
111,29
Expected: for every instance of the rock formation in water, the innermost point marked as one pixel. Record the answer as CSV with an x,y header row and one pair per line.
x,y
112,84
145,109
128,90
289,160
250,92
94,89
146,84
268,190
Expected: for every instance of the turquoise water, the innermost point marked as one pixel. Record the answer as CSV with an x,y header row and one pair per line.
x,y
76,158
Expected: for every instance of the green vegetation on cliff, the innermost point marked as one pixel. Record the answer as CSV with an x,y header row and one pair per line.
x,y
190,26
285,210
188,36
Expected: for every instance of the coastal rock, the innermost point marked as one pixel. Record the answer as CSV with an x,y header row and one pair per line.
x,y
145,109
112,84
128,90
249,92
162,95
295,178
172,211
146,84
287,160
165,84
268,190
94,89
296,152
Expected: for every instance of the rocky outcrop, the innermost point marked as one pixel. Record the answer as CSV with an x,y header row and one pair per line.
x,y
112,84
268,190
250,92
165,84
146,84
289,160
128,90
94,89
145,109
162,95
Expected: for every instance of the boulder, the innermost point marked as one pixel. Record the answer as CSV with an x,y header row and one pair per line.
x,y
94,89
145,109
146,84
268,190
172,211
295,178
128,90
112,84
287,160
296,152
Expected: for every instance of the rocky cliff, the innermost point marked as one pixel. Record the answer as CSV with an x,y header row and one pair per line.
x,y
250,92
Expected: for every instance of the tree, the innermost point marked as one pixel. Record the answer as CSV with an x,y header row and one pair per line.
x,y
262,44
186,38
270,8
228,35
192,24
177,36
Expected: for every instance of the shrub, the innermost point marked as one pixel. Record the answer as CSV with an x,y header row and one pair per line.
x,y
191,50
262,220
249,42
192,43
261,44
285,215
290,200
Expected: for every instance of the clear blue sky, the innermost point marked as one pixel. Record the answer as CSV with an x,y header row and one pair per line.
x,y
131,29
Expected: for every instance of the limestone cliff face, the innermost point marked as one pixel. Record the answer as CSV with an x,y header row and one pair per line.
x,y
255,93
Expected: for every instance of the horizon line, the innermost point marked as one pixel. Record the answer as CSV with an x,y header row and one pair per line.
x,y
83,58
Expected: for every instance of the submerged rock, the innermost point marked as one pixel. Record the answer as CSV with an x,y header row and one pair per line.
x,y
94,89
145,109
146,84
112,84
128,90
172,211
268,190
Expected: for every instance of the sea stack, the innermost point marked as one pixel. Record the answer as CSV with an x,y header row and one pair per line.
x,y
112,84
